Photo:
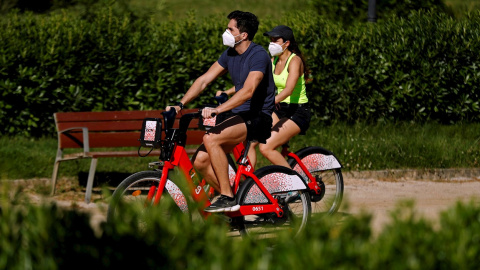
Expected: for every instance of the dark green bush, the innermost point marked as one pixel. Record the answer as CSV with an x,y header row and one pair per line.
x,y
424,68
48,237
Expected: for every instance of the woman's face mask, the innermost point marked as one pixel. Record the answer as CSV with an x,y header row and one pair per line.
x,y
229,39
275,48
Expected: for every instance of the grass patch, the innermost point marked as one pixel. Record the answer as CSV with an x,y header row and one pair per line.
x,y
359,147
461,7
179,9
395,146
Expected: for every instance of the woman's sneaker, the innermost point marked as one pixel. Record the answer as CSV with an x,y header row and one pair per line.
x,y
223,204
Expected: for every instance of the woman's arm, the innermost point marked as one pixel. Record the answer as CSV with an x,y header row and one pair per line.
x,y
229,92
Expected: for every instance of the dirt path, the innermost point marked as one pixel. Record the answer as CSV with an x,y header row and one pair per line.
x,y
376,194
380,197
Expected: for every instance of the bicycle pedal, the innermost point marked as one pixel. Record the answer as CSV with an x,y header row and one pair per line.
x,y
292,196
223,217
155,165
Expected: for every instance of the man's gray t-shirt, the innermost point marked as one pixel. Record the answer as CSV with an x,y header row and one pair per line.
x,y
255,58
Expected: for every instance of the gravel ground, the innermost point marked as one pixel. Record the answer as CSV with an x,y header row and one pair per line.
x,y
377,192
380,197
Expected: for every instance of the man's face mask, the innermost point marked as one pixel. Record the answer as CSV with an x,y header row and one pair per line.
x,y
275,49
229,39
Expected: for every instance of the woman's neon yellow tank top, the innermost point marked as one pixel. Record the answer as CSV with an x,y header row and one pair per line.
x,y
299,95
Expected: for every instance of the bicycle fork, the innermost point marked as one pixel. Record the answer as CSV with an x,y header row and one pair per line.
x,y
312,185
159,189
198,193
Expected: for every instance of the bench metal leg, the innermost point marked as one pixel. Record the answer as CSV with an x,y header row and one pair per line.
x,y
91,175
54,176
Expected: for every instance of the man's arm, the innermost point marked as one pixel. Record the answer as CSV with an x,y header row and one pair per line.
x,y
251,83
200,84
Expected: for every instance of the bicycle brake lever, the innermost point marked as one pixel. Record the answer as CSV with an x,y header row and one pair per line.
x,y
169,118
222,98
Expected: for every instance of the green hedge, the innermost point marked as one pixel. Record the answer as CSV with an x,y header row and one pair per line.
x,y
421,68
417,69
47,237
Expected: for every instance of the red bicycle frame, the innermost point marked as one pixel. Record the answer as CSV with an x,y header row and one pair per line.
x,y
181,160
239,150
313,185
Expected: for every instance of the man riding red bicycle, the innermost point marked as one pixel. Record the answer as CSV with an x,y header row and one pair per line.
x,y
252,104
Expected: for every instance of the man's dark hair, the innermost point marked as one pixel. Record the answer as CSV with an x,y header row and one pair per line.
x,y
246,22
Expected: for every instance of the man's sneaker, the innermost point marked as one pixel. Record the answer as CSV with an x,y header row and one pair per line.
x,y
223,204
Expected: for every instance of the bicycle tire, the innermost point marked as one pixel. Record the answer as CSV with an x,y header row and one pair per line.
x,y
133,191
317,160
296,206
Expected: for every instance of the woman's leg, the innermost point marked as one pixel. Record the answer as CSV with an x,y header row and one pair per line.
x,y
282,132
252,154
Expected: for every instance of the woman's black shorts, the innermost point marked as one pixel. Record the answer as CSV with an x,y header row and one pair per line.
x,y
299,113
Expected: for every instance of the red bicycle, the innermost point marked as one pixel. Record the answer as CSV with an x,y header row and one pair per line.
x,y
319,168
271,198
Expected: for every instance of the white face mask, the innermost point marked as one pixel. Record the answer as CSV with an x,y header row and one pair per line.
x,y
275,49
229,39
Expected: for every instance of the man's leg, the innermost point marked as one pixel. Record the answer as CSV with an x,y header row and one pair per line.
x,y
219,141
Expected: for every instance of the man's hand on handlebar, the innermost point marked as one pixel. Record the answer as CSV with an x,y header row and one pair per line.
x,y
209,112
177,108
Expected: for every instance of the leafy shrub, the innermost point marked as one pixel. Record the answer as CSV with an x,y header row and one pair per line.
x,y
421,69
48,237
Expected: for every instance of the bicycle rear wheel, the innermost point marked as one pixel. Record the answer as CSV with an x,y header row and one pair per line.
x,y
131,195
324,166
295,204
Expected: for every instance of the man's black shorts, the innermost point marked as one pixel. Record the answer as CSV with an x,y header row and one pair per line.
x,y
259,126
298,113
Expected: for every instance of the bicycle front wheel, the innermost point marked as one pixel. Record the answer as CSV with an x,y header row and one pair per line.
x,y
326,169
132,194
295,203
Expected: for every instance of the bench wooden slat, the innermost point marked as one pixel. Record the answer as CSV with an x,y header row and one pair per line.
x,y
119,139
114,125
111,115
131,153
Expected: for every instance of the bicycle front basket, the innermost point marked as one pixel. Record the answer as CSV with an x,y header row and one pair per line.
x,y
151,133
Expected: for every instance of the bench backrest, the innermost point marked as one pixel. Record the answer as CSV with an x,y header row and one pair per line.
x,y
113,128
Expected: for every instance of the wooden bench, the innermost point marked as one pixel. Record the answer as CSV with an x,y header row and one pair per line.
x,y
108,130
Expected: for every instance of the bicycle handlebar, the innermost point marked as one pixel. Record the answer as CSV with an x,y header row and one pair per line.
x,y
169,118
200,113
